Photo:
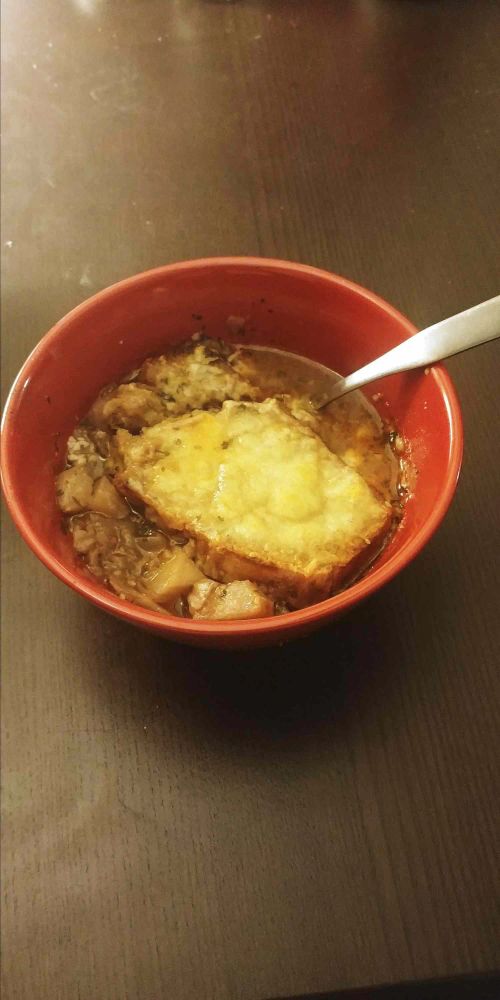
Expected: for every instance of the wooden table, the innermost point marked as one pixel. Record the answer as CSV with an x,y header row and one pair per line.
x,y
192,826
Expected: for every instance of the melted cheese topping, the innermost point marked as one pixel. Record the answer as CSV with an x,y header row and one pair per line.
x,y
251,479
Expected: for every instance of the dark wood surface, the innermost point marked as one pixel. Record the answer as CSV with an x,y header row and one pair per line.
x,y
187,825
485,986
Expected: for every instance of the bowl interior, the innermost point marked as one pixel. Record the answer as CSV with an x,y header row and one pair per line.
x,y
283,305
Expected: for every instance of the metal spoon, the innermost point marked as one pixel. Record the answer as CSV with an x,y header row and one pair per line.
x,y
467,329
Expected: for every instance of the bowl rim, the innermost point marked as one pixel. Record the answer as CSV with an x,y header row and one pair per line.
x,y
185,627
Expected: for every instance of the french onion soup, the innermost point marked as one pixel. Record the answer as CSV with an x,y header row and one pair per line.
x,y
205,485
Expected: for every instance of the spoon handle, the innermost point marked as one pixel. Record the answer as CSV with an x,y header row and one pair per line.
x,y
451,336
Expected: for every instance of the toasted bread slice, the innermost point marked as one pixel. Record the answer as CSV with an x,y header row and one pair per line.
x,y
261,495
196,375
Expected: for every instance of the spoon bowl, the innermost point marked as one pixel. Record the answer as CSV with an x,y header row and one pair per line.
x,y
459,333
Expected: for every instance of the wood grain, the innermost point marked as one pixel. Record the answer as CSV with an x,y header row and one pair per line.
x,y
200,827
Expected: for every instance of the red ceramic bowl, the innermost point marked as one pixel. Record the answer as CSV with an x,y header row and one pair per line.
x,y
299,308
